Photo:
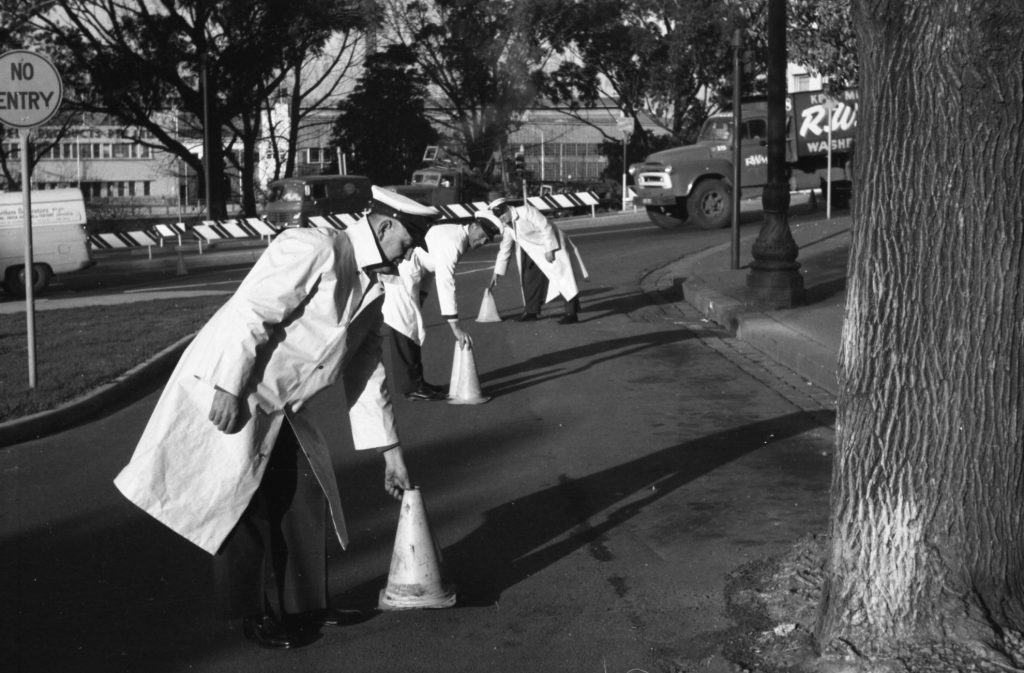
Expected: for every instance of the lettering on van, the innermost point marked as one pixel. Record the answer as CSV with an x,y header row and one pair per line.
x,y
816,122
838,145
42,215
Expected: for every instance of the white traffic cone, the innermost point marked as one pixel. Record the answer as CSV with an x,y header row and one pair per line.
x,y
488,309
464,387
416,577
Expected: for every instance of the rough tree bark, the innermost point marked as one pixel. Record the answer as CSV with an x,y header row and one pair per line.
x,y
928,484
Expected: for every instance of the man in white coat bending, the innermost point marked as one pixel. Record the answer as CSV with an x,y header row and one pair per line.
x,y
545,266
446,243
231,458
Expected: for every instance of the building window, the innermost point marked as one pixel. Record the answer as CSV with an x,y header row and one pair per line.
x,y
318,155
802,82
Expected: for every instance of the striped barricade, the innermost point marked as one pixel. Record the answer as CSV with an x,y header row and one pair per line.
x,y
175,230
549,203
228,230
125,239
574,202
335,221
461,211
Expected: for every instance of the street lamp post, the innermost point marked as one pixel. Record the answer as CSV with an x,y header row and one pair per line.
x,y
774,280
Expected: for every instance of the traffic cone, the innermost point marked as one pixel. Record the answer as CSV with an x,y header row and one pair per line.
x,y
488,309
465,387
415,579
182,271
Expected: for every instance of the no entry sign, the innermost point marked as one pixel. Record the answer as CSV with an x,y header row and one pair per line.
x,y
30,89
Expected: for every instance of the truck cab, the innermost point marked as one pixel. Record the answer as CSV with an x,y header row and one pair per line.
x,y
443,185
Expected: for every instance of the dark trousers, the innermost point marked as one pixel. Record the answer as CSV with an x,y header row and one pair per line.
x,y
535,288
406,360
275,559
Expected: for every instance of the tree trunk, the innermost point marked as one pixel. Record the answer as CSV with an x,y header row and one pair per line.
x,y
928,483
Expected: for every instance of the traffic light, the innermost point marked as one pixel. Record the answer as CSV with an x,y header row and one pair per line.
x,y
520,163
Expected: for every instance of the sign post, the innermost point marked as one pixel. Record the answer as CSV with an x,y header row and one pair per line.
x,y
625,124
30,94
830,106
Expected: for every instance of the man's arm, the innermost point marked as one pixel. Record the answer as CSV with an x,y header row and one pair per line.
x,y
396,476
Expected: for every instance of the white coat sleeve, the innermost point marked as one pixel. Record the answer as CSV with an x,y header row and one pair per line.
x,y
504,251
370,412
543,229
277,284
445,260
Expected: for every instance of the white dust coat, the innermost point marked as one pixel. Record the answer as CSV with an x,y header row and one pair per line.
x,y
307,313
533,234
446,244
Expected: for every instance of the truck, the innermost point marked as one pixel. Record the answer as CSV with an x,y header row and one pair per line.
x,y
59,242
442,185
694,182
292,201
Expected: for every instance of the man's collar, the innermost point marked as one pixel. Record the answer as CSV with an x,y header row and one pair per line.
x,y
367,250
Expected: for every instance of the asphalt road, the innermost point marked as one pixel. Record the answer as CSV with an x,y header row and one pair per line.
x,y
589,514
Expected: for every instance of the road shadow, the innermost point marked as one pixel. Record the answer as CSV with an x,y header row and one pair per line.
x,y
521,538
571,361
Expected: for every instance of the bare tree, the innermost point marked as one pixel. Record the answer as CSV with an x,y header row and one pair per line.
x,y
316,81
484,61
928,485
214,60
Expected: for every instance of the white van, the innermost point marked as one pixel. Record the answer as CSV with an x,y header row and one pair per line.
x,y
59,242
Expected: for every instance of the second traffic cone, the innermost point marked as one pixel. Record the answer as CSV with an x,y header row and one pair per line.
x,y
465,386
488,309
415,579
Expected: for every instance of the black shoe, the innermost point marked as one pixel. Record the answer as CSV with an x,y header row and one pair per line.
x,y
267,633
329,617
568,319
336,617
440,390
527,317
424,394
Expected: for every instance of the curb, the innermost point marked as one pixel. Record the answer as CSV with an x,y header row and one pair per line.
x,y
95,402
809,360
786,346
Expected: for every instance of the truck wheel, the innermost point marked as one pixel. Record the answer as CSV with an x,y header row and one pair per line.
x,y
14,280
666,217
709,204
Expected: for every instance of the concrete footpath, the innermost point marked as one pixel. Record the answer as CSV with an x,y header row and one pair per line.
x,y
804,339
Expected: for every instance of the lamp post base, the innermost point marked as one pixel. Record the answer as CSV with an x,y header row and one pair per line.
x,y
772,286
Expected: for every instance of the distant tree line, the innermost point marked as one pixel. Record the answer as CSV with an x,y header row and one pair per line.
x,y
400,74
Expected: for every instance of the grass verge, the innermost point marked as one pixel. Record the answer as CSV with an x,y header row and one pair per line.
x,y
79,349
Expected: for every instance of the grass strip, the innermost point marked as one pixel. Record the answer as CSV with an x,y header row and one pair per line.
x,y
79,349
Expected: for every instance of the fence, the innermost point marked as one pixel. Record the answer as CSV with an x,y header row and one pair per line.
x,y
211,231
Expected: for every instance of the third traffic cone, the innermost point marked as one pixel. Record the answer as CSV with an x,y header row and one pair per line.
x,y
488,309
465,386
416,576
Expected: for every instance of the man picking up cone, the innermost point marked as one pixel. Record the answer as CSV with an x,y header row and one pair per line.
x,y
233,459
545,266
446,243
